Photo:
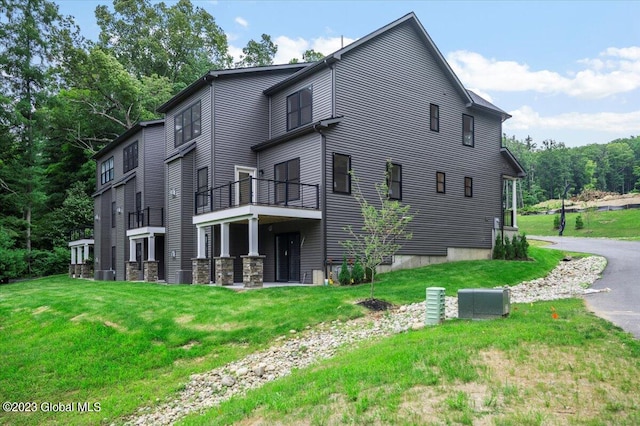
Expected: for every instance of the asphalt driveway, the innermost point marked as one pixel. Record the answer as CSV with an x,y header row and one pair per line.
x,y
621,305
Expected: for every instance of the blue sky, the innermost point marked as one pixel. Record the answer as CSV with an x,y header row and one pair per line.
x,y
568,71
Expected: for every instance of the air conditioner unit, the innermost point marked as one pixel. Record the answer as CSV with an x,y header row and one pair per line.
x,y
482,303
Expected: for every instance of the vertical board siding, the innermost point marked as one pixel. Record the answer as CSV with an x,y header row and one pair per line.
x,y
204,139
105,228
321,101
383,89
119,236
173,219
152,167
187,196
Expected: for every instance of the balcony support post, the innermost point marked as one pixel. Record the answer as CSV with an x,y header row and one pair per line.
x,y
86,253
201,242
132,250
224,239
152,247
253,237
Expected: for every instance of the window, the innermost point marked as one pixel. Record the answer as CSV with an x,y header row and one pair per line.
x,y
287,176
440,182
468,187
113,214
130,157
106,171
434,113
467,130
299,108
394,176
203,186
187,124
341,176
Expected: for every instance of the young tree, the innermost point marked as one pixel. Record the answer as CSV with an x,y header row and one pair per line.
x,y
258,54
384,229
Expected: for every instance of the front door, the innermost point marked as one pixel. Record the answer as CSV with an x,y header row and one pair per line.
x,y
288,257
245,185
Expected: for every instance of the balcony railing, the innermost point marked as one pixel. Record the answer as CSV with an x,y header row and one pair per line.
x,y
264,192
84,233
146,217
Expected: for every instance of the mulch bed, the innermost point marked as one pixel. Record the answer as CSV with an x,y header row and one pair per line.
x,y
375,304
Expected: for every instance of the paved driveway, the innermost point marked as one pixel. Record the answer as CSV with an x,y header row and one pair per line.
x,y
621,305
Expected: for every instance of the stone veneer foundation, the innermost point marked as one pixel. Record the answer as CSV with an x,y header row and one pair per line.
x,y
252,271
86,270
150,268
132,271
200,271
224,270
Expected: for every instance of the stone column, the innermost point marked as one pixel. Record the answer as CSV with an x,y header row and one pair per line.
x,y
77,270
252,271
86,270
200,274
150,268
132,271
224,270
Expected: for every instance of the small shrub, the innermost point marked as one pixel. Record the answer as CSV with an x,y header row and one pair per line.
x,y
517,247
498,249
524,246
579,222
344,277
509,250
556,222
357,272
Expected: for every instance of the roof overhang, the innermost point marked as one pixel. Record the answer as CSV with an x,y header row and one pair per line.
x,y
300,131
513,161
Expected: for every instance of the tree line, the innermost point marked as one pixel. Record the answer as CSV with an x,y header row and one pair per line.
x,y
552,166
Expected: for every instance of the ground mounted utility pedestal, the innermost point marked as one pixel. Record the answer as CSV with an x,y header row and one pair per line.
x,y
483,303
434,306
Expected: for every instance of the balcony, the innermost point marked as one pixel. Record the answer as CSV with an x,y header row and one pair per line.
x,y
84,233
145,218
258,192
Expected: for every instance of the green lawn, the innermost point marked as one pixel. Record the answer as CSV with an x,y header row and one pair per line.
x,y
528,369
127,345
621,224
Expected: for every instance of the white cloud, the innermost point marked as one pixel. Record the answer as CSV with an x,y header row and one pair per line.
x,y
241,21
525,118
616,71
289,48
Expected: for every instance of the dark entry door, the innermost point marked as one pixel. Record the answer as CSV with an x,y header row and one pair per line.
x,y
288,257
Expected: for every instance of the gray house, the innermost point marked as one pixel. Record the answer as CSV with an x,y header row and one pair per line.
x,y
256,164
129,229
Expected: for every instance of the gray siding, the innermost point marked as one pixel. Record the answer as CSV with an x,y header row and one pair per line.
x,y
151,175
173,219
241,121
386,116
320,108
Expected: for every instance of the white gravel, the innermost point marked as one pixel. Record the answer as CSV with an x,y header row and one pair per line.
x,y
302,348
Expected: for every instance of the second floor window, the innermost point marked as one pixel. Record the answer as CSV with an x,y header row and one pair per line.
x,y
468,187
440,182
187,124
130,157
434,120
341,176
467,130
299,108
203,186
394,176
287,176
106,171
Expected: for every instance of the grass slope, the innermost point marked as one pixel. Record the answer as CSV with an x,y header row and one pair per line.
x,y
129,344
621,224
528,369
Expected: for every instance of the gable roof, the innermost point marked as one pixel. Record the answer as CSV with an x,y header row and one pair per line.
x,y
126,135
409,18
481,103
205,79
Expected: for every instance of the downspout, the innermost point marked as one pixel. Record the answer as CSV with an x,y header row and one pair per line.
x,y
502,194
323,196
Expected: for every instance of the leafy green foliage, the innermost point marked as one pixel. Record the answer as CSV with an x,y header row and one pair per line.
x,y
258,54
357,272
384,229
509,250
579,222
344,277
498,248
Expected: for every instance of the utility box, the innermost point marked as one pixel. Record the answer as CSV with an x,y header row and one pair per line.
x,y
483,303
435,306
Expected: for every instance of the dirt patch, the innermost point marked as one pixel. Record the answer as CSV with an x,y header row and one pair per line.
x,y
115,326
190,345
375,304
184,319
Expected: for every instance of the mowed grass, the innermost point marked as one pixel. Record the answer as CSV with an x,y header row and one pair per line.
x,y
527,369
127,345
620,224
